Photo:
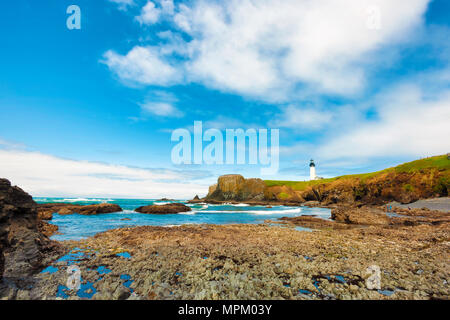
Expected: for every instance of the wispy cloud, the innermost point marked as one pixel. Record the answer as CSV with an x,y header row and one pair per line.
x,y
300,118
142,65
161,104
161,109
11,144
123,4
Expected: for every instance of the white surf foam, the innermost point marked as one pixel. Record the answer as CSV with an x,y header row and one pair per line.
x,y
262,212
161,203
81,200
189,213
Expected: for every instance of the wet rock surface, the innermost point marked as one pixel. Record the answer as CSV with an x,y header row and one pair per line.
x,y
408,249
314,222
258,262
164,209
47,229
360,216
47,209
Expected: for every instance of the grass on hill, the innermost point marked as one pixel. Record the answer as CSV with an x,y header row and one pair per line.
x,y
438,162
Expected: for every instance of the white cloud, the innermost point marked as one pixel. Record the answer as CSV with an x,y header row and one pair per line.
x,y
161,104
149,14
223,122
248,46
162,109
408,124
302,118
142,65
123,4
10,144
167,6
267,48
45,175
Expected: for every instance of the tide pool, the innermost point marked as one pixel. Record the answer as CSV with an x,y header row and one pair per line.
x,y
76,227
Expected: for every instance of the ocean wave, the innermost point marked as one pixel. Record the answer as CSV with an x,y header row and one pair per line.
x,y
203,207
191,213
81,200
297,210
161,203
262,212
234,204
176,225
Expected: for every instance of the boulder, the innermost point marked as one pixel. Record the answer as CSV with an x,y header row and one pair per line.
x,y
164,209
65,211
100,208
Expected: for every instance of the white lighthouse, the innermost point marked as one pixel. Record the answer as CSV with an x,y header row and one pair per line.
x,y
312,170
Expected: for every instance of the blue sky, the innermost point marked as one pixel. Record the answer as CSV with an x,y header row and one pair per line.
x,y
90,112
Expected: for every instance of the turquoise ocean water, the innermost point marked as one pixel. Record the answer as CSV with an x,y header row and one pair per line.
x,y
76,227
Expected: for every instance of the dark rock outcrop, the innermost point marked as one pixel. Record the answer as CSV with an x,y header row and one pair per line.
x,y
23,249
46,209
164,209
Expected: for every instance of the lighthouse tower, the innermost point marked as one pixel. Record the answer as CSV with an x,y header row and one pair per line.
x,y
312,170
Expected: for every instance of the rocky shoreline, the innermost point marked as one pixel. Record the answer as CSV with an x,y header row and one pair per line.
x,y
258,262
304,257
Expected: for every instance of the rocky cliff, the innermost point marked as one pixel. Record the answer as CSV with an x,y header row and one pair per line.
x,y
386,187
406,183
23,248
235,187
